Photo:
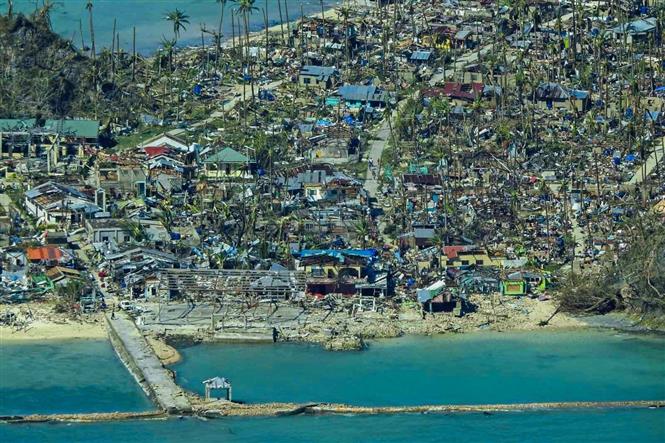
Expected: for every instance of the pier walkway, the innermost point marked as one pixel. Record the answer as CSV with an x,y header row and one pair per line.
x,y
140,359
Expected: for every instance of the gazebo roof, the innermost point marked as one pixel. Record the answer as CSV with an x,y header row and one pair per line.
x,y
217,383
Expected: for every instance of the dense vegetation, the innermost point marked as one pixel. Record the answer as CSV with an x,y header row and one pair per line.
x,y
633,281
43,74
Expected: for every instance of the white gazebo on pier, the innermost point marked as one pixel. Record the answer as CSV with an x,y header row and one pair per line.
x,y
218,383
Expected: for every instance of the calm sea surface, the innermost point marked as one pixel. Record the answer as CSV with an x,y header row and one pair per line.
x,y
467,368
66,376
626,426
148,17
473,368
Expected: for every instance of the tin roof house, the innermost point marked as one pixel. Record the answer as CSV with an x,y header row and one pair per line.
x,y
53,202
228,163
555,96
361,95
323,77
635,30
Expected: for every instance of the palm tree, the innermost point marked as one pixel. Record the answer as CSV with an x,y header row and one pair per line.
x,y
44,12
10,8
545,196
345,13
222,4
136,230
168,46
180,20
89,7
362,231
323,18
441,108
71,292
245,9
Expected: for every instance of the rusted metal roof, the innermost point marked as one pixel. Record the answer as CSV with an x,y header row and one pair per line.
x,y
44,253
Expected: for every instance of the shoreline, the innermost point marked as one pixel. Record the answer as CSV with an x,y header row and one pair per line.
x,y
166,346
37,322
48,332
258,35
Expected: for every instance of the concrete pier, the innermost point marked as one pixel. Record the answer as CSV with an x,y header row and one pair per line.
x,y
140,359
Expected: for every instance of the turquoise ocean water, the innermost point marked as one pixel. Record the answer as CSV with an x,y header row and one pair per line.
x,y
66,376
626,426
467,368
148,17
472,368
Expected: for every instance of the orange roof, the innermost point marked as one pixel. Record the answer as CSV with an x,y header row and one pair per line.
x,y
453,251
47,253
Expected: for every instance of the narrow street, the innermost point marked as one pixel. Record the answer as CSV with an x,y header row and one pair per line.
x,y
652,161
229,105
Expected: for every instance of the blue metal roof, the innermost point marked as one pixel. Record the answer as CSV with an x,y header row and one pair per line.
x,y
636,27
361,93
421,55
579,94
321,72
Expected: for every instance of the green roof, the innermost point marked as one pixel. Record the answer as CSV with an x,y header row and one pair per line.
x,y
227,155
14,124
79,128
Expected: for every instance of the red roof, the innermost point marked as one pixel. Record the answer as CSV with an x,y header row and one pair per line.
x,y
44,253
154,151
468,91
432,92
452,251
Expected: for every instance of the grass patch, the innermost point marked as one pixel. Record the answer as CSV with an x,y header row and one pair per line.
x,y
131,141
358,169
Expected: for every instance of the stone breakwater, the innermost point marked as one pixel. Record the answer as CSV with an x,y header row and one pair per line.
x,y
84,418
219,409
433,409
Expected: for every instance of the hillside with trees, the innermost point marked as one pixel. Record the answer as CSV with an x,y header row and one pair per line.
x,y
44,74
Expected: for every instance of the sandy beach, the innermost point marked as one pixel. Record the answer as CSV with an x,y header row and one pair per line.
x,y
331,14
167,354
38,322
39,331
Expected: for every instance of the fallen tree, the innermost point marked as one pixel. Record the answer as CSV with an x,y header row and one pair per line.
x,y
633,280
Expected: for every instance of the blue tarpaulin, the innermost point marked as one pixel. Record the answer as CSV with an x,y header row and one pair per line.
x,y
265,94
